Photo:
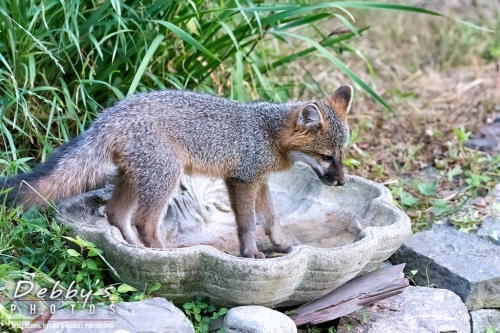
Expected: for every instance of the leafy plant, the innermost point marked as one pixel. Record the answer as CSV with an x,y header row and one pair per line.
x,y
200,312
348,326
34,249
313,329
427,189
461,134
365,316
466,221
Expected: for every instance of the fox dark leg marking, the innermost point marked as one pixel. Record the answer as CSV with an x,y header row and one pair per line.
x,y
242,197
120,208
272,227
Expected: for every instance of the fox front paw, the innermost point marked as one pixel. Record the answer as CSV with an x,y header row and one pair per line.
x,y
286,247
255,254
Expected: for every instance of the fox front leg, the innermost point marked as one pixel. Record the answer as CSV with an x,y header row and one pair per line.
x,y
242,196
272,227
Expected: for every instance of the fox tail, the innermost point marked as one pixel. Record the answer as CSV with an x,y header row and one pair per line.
x,y
79,165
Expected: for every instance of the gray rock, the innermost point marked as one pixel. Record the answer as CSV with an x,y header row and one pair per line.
x,y
257,319
450,259
416,310
485,139
155,315
490,230
485,318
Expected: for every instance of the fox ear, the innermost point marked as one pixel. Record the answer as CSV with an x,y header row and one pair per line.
x,y
341,101
309,116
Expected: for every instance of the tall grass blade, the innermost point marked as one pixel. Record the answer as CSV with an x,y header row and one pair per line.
x,y
144,63
339,64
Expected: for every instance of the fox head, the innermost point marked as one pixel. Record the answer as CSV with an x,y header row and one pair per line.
x,y
317,135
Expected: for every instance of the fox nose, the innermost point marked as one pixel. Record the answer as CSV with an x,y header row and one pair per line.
x,y
340,182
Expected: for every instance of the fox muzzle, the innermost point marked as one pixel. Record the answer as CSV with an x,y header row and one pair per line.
x,y
334,175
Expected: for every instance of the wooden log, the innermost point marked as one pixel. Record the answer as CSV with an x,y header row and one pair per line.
x,y
352,296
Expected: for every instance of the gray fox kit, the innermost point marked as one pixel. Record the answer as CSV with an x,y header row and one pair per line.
x,y
153,138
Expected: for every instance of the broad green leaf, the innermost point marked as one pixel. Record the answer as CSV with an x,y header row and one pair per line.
x,y
73,253
439,207
454,172
350,162
123,288
94,252
154,287
91,264
427,189
407,199
188,305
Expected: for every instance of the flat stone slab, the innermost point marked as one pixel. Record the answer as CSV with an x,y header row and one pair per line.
x,y
485,319
257,319
490,230
463,263
155,315
486,138
416,310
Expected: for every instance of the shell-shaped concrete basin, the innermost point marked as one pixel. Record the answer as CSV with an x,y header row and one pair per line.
x,y
344,231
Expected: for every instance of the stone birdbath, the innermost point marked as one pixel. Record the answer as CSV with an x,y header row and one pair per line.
x,y
344,231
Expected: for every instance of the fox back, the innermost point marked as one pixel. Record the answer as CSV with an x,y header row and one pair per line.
x,y
153,138
217,137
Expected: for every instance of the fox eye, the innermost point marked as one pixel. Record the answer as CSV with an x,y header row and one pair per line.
x,y
327,158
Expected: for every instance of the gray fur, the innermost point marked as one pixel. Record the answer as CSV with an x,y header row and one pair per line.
x,y
153,138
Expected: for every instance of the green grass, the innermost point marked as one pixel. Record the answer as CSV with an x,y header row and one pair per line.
x,y
33,247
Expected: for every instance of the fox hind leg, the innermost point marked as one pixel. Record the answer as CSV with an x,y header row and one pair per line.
x,y
120,207
158,173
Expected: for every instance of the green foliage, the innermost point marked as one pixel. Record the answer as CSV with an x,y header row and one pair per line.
x,y
33,247
365,316
200,312
313,329
407,199
350,162
353,138
427,189
348,326
461,134
470,174
61,62
467,221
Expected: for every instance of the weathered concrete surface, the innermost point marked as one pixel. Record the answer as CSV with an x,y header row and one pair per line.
x,y
257,319
361,211
416,310
463,263
485,318
155,315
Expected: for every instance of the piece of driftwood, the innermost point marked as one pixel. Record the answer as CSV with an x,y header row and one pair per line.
x,y
352,296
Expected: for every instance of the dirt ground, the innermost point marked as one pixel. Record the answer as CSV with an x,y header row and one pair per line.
x,y
438,75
